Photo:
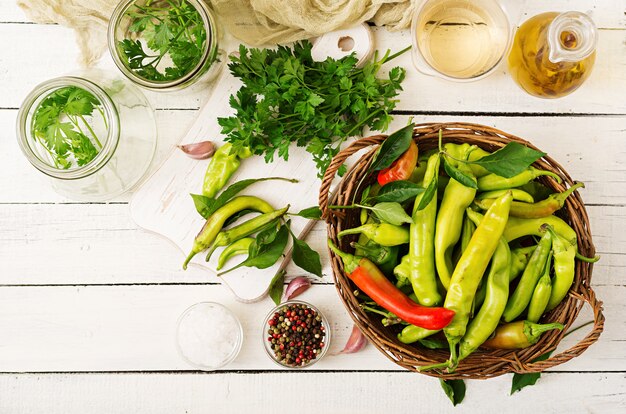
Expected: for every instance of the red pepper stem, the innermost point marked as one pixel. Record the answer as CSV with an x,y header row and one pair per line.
x,y
378,311
533,331
350,263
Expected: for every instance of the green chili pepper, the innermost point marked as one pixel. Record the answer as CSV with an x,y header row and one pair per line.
x,y
417,176
519,227
541,294
216,221
411,334
259,223
542,208
495,182
467,231
241,246
421,245
519,260
449,224
519,195
469,271
386,257
222,166
524,290
518,335
384,234
564,268
402,272
474,155
496,295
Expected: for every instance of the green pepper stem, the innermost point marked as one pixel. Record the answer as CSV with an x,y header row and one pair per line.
x,y
539,173
534,330
355,230
561,197
587,259
188,259
349,261
423,368
214,247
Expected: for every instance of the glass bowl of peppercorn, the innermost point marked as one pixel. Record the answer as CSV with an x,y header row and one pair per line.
x,y
296,334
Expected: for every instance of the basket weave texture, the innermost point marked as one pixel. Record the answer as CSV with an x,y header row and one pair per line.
x,y
483,363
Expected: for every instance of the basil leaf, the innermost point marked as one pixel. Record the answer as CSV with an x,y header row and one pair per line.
x,y
397,191
277,285
306,258
268,254
204,204
428,195
268,235
394,146
509,161
523,380
237,187
431,343
459,175
313,213
454,389
365,194
389,212
237,216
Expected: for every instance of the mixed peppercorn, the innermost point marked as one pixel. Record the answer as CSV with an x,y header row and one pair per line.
x,y
296,334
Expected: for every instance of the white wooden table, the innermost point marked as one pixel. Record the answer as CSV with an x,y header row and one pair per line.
x,y
88,302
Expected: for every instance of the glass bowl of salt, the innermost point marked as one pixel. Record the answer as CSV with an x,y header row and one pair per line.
x,y
208,336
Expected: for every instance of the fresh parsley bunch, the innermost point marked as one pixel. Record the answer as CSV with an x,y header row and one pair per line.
x,y
173,31
61,127
288,97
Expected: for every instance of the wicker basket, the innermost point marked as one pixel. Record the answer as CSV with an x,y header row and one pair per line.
x,y
483,363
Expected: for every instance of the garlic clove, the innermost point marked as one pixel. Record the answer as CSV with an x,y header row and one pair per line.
x,y
296,287
198,150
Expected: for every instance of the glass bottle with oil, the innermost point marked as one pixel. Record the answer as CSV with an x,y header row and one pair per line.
x,y
553,54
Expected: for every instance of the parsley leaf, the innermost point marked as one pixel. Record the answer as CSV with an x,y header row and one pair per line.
x,y
174,34
288,98
61,126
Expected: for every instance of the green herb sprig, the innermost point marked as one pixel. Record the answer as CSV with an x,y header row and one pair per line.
x,y
172,30
61,127
288,97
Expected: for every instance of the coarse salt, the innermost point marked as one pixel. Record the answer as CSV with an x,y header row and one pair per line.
x,y
209,335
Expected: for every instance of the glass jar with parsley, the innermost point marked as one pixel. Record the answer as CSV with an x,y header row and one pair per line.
x,y
92,132
164,45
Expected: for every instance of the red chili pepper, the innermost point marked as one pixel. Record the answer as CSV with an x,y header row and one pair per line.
x,y
401,168
367,277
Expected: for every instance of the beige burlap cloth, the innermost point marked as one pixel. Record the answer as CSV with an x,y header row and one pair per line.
x,y
255,22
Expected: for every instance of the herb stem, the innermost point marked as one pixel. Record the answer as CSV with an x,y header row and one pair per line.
x,y
93,134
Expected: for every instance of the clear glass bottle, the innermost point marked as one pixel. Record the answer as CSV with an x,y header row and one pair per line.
x,y
187,54
121,127
553,54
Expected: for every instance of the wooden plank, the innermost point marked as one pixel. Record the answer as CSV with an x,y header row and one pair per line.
x,y
498,93
86,237
310,392
132,328
576,142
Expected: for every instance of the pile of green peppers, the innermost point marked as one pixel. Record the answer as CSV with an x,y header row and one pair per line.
x,y
496,255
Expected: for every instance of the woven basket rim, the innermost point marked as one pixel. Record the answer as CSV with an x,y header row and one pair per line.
x,y
482,364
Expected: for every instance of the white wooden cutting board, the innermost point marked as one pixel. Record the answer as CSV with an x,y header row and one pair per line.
x,y
163,205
